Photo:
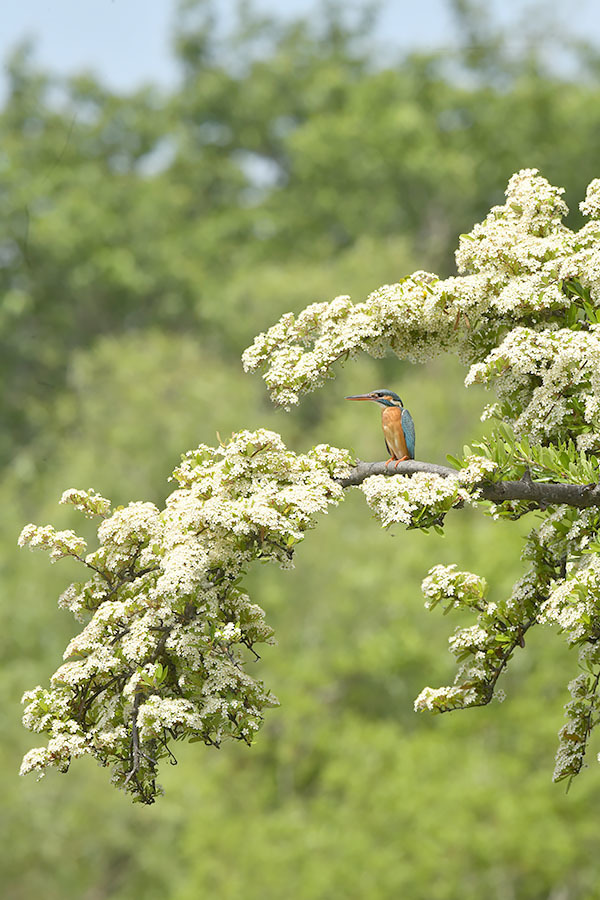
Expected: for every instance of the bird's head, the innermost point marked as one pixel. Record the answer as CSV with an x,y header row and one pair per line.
x,y
383,397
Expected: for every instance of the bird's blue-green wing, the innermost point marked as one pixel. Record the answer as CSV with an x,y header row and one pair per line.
x,y
408,427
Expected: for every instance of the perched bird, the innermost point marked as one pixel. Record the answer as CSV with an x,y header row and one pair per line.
x,y
397,423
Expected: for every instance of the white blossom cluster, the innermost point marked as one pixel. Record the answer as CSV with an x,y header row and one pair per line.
x,y
417,500
581,714
88,502
58,543
453,588
513,267
410,317
575,601
591,205
519,237
161,654
547,383
475,469
480,650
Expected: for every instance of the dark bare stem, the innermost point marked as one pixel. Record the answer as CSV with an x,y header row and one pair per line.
x,y
129,578
90,566
160,644
86,702
251,649
135,740
119,635
519,641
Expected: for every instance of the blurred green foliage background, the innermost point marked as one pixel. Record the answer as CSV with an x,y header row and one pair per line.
x,y
145,239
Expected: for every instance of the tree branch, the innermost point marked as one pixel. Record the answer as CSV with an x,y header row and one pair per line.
x,y
135,741
542,493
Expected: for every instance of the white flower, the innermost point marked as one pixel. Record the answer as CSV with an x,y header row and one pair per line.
x,y
229,633
402,498
88,502
591,205
59,543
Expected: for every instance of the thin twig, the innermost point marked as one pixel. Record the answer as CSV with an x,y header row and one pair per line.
x,y
135,740
84,707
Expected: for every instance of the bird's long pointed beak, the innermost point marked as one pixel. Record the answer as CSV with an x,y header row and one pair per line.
x,y
359,397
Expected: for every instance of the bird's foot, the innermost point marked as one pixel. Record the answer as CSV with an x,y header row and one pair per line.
x,y
395,461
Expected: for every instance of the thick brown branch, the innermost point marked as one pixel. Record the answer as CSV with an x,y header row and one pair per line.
x,y
540,493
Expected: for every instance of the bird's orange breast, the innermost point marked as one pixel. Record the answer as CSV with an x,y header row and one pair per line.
x,y
391,422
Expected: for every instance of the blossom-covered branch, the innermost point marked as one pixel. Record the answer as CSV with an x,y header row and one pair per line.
x,y
166,619
538,493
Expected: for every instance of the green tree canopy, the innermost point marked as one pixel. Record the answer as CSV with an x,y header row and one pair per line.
x,y
123,211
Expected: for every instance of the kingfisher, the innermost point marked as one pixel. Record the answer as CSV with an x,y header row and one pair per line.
x,y
397,423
